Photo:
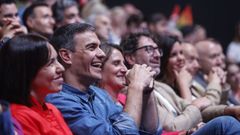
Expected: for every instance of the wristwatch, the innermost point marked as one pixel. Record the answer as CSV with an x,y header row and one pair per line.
x,y
4,40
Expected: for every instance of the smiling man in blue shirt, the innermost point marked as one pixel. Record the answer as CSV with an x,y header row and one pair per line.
x,y
87,109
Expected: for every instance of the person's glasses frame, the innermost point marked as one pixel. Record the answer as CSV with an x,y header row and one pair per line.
x,y
149,49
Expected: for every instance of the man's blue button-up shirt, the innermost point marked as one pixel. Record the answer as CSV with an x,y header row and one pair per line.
x,y
92,113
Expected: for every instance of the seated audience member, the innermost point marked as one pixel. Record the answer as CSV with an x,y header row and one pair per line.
x,y
222,55
135,23
179,79
38,19
208,110
87,108
211,94
233,78
114,78
29,70
8,125
118,19
173,110
136,52
66,12
211,60
157,23
193,33
102,23
9,21
233,49
113,72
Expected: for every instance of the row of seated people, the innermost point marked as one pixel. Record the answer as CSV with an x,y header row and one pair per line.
x,y
80,93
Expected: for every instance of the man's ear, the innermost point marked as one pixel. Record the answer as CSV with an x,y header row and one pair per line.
x,y
130,59
30,22
65,55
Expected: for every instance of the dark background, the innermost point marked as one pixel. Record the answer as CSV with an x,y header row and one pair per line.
x,y
217,16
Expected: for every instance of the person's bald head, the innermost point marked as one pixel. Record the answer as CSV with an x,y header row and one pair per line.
x,y
192,57
209,55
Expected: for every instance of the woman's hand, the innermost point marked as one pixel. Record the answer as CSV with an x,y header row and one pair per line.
x,y
183,80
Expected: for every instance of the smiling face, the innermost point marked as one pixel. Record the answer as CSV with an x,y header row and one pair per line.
x,y
114,70
49,78
141,56
87,58
176,59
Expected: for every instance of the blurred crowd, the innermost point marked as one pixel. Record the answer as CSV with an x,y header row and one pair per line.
x,y
79,67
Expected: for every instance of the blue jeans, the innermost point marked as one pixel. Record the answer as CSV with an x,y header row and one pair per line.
x,y
224,125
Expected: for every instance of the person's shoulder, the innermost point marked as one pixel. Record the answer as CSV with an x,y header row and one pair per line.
x,y
158,85
51,106
22,112
60,98
161,87
16,108
62,95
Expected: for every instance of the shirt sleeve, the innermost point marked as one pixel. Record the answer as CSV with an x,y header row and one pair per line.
x,y
82,121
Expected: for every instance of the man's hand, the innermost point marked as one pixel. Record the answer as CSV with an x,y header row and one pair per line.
x,y
11,28
183,76
183,79
141,76
217,75
201,103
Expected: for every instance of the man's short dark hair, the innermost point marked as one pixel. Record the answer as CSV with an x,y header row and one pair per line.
x,y
135,20
63,37
7,2
29,11
130,43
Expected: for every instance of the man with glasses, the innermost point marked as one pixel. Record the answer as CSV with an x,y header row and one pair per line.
x,y
140,48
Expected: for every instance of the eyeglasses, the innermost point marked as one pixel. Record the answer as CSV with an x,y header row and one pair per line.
x,y
150,49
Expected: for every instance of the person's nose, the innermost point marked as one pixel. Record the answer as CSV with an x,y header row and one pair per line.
x,y
157,53
60,68
100,53
124,69
78,19
180,56
52,21
196,64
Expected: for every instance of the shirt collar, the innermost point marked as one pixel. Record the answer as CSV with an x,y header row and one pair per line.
x,y
86,96
36,104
